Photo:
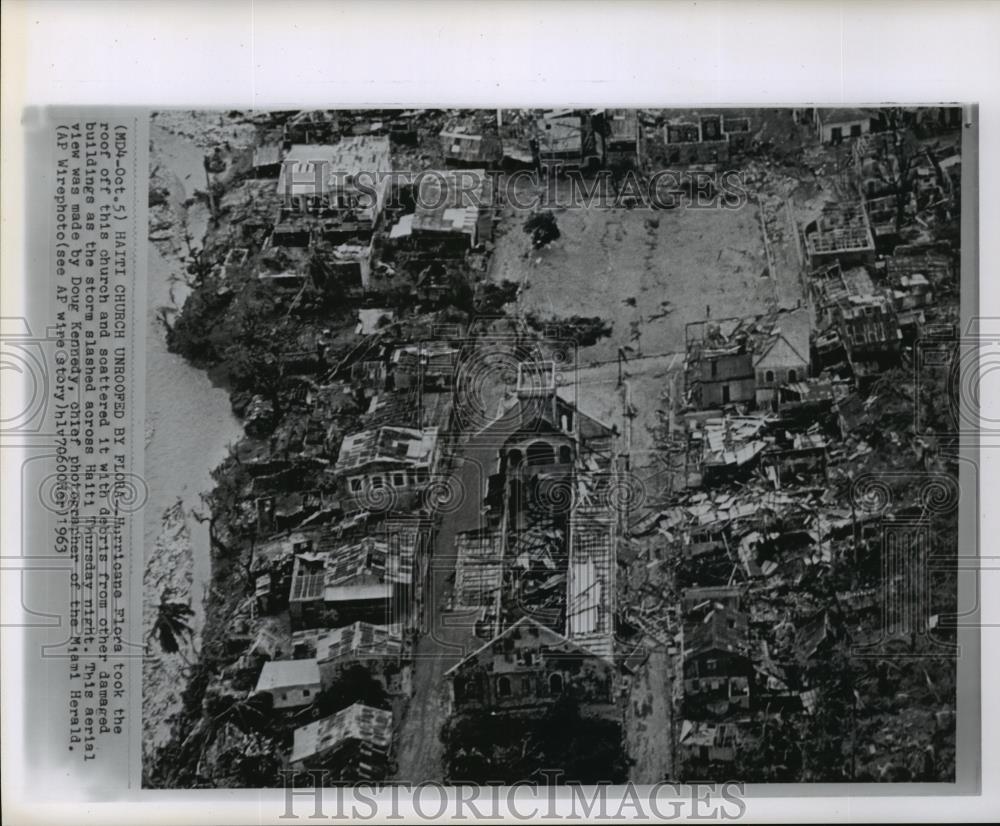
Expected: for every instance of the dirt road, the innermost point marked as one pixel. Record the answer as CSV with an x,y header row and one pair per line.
x,y
648,721
446,636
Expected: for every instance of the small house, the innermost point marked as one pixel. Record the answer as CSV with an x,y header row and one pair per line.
x,y
453,208
343,175
530,666
842,234
704,743
430,365
782,357
565,140
466,143
353,743
267,160
349,583
697,139
836,125
717,666
390,463
377,647
619,130
719,364
292,683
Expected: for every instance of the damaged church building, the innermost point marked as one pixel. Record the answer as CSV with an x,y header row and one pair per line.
x,y
541,572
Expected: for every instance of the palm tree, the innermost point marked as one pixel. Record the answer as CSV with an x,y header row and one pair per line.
x,y
248,714
172,624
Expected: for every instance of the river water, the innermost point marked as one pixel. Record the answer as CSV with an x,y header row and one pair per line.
x,y
189,427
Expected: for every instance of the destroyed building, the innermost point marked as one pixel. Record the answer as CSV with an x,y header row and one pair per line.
x,y
565,139
428,365
717,666
803,462
930,261
337,176
620,136
378,648
705,139
353,589
454,209
590,590
719,364
412,407
746,361
841,234
471,143
446,219
352,744
701,600
543,429
311,127
479,570
367,580
781,356
529,666
863,316
729,446
704,743
390,463
544,439
332,197
548,550
810,399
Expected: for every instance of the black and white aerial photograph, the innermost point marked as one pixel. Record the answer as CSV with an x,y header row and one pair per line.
x,y
588,444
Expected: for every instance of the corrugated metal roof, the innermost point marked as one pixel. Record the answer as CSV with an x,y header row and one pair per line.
x,y
353,593
362,639
452,200
336,165
357,722
267,155
468,144
558,135
479,567
400,445
590,596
